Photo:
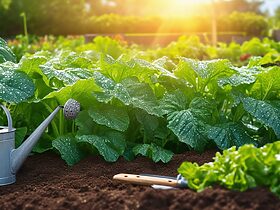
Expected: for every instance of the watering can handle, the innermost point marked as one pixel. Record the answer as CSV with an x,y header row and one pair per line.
x,y
10,122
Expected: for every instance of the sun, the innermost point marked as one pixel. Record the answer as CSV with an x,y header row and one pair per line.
x,y
174,8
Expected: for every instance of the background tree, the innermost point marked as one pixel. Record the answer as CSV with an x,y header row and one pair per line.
x,y
54,16
5,3
277,13
227,7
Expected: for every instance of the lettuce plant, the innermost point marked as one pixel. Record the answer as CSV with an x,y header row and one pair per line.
x,y
240,169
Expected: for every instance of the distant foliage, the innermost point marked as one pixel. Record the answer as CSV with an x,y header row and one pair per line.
x,y
48,17
5,4
191,47
250,23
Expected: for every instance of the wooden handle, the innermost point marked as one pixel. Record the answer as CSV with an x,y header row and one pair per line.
x,y
146,180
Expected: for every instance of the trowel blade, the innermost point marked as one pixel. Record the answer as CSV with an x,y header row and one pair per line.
x,y
163,187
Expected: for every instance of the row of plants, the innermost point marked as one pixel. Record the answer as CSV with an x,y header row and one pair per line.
x,y
191,47
133,107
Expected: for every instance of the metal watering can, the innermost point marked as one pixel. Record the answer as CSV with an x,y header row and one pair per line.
x,y
11,159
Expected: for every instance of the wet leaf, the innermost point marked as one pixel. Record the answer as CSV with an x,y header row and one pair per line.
x,y
111,116
81,91
229,134
110,145
154,152
267,112
15,86
131,92
6,54
68,148
188,128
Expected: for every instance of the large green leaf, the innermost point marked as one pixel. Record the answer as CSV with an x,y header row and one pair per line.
x,y
195,72
110,116
267,84
67,67
84,123
118,69
267,112
44,144
229,134
108,46
142,96
149,124
68,148
31,66
243,76
174,101
204,109
6,54
131,92
165,63
15,86
110,145
68,76
188,128
154,152
81,91
111,89
209,69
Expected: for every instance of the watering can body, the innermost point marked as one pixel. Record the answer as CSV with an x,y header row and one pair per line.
x,y
7,144
11,159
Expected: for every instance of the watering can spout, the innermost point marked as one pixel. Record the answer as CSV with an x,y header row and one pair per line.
x,y
18,156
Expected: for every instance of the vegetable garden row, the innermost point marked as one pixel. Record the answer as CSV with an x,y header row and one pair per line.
x,y
153,103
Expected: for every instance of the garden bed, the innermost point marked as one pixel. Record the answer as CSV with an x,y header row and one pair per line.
x,y
46,182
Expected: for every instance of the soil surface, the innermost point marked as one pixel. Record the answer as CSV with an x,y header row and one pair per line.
x,y
46,182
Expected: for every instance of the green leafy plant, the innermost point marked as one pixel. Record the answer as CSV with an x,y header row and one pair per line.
x,y
241,169
133,107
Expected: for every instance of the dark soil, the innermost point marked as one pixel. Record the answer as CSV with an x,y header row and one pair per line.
x,y
45,182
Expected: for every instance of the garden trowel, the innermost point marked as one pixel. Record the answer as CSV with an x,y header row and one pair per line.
x,y
156,181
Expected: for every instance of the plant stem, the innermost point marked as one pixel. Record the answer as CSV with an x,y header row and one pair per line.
x,y
61,123
73,127
54,126
23,15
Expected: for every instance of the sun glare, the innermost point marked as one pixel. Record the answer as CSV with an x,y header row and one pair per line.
x,y
183,7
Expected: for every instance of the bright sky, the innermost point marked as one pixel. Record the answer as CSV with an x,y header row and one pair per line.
x,y
178,7
271,5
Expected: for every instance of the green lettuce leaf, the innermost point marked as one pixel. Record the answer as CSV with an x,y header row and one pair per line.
x,y
240,169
